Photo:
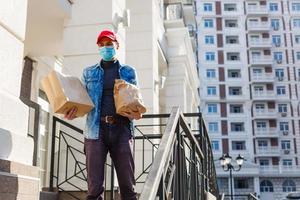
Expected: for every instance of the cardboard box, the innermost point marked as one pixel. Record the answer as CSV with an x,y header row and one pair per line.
x,y
64,92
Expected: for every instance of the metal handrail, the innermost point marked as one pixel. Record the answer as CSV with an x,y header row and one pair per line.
x,y
166,173
189,160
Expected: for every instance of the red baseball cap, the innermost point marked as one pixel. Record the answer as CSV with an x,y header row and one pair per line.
x,y
107,33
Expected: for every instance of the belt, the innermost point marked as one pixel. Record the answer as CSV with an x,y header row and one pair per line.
x,y
109,119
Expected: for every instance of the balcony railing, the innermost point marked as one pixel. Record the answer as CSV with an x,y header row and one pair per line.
x,y
259,26
279,169
264,94
267,60
263,77
268,150
175,162
266,131
264,42
265,112
257,9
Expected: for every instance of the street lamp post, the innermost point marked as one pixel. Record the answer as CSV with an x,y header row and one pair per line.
x,y
225,162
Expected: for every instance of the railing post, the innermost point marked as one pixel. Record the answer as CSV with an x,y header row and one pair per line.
x,y
112,181
161,190
52,154
179,166
194,175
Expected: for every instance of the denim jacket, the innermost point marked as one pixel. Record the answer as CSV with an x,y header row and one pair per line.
x,y
92,78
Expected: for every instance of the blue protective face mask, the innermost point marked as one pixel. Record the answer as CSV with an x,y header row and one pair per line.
x,y
107,52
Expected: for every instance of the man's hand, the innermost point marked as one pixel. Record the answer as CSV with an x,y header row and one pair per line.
x,y
131,116
71,114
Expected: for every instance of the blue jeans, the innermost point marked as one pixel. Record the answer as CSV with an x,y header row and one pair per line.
x,y
117,140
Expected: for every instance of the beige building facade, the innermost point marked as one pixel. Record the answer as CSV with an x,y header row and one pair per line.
x,y
156,37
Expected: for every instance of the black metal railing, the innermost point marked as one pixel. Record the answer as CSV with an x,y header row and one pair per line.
x,y
183,165
68,170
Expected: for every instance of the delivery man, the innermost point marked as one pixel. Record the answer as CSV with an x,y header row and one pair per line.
x,y
105,130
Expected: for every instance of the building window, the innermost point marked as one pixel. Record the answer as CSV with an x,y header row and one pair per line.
x,y
266,186
296,23
211,91
261,125
295,6
234,73
276,40
213,127
209,39
280,90
285,145
230,7
215,145
211,73
212,108
298,55
282,108
279,73
237,126
264,162
273,6
262,144
297,39
232,39
235,91
275,24
238,145
207,7
231,23
278,56
233,56
288,186
209,56
236,108
283,126
241,183
287,162
208,23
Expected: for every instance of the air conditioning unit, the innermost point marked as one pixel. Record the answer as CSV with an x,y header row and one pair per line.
x,y
283,114
286,151
280,78
277,44
279,61
285,132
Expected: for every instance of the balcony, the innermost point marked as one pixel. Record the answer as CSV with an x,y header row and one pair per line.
x,y
268,151
260,43
262,77
261,60
279,170
258,26
257,10
265,113
266,132
263,95
174,15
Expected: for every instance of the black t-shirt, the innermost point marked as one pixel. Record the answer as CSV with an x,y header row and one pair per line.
x,y
111,72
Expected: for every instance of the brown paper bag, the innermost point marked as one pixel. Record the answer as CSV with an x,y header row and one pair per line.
x,y
128,99
64,92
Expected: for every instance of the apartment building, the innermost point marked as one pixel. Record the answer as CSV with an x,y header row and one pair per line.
x,y
249,67
156,37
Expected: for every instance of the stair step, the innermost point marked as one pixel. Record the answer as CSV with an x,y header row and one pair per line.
x,y
45,195
81,195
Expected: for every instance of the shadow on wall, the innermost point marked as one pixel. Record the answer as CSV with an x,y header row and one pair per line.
x,y
8,184
5,144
